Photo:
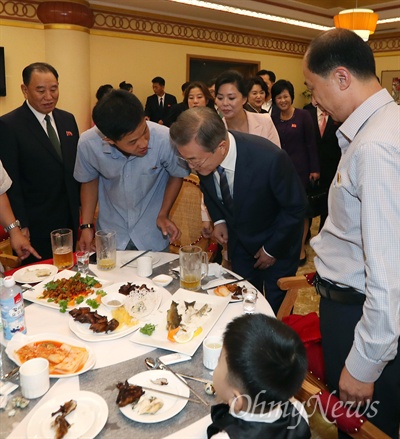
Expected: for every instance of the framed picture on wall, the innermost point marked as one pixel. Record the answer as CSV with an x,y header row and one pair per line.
x,y
201,68
390,80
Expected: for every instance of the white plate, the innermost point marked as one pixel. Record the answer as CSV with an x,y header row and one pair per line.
x,y
20,340
159,338
87,420
150,300
28,275
241,284
172,406
36,291
82,329
154,256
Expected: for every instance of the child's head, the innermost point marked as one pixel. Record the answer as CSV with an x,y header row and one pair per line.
x,y
262,359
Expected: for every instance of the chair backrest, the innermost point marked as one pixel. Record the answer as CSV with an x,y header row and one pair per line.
x,y
186,214
7,259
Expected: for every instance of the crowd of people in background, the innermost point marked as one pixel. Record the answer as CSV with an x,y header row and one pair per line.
x,y
256,155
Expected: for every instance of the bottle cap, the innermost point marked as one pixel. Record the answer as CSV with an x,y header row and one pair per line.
x,y
9,281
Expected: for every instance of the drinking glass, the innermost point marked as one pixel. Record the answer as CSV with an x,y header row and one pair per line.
x,y
82,260
249,300
106,249
192,262
62,246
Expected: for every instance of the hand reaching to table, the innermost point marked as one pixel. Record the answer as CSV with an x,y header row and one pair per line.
x,y
168,228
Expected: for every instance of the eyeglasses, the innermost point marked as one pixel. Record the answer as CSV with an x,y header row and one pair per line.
x,y
195,163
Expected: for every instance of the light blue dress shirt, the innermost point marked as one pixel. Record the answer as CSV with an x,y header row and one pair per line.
x,y
131,189
359,245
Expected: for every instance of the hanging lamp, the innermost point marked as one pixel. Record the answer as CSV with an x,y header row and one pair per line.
x,y
361,21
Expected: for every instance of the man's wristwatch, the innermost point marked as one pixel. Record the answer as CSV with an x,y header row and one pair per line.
x,y
86,226
11,226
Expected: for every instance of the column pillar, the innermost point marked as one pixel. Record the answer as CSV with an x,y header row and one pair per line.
x,y
67,48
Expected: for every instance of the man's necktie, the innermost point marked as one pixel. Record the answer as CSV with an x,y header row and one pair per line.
x,y
161,103
53,135
225,191
322,123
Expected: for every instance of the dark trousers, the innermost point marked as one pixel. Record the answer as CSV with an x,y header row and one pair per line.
x,y
338,322
264,280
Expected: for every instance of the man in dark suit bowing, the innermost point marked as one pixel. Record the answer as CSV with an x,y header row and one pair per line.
x,y
159,104
252,193
44,195
328,151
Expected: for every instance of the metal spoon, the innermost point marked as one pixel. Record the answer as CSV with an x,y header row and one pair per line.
x,y
152,363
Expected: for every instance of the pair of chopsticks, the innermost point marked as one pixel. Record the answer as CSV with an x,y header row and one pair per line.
x,y
134,259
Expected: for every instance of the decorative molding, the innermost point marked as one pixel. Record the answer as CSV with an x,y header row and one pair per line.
x,y
112,20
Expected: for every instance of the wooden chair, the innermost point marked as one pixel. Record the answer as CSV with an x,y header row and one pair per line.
x,y
7,259
186,214
313,390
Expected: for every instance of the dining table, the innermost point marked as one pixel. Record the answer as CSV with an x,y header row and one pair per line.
x,y
119,359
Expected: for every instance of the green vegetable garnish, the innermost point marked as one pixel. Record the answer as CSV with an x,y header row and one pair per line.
x,y
79,300
63,305
101,292
148,329
92,303
90,281
51,285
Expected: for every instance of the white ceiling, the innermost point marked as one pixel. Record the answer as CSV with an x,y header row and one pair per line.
x,y
314,11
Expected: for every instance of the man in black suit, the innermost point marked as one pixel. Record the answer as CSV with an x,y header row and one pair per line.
x,y
328,151
159,104
44,195
255,200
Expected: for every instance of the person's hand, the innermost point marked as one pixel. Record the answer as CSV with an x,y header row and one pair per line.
x,y
263,260
207,229
314,176
220,233
22,245
354,391
86,242
168,228
26,233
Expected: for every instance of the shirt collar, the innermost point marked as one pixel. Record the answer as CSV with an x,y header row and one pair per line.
x,y
39,116
229,161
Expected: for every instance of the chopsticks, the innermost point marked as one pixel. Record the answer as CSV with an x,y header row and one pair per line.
x,y
134,259
151,389
243,279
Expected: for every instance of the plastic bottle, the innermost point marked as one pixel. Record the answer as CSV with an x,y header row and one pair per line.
x,y
12,308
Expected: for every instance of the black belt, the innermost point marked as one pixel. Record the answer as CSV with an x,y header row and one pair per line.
x,y
330,291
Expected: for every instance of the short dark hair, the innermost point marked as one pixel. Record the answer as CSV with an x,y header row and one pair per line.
x,y
256,80
103,90
201,124
264,355
40,67
340,47
231,77
184,86
271,74
204,89
280,86
125,86
158,80
117,114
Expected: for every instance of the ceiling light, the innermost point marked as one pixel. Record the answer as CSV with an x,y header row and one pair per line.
x,y
361,21
253,14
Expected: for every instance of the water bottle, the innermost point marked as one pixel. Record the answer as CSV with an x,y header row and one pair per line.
x,y
12,308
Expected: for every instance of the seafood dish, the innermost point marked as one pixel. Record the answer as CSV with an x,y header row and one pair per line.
x,y
97,322
129,288
149,405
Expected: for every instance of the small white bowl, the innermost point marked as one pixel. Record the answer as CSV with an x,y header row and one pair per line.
x,y
113,301
162,280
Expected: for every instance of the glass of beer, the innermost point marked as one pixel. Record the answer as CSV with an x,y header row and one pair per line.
x,y
62,246
193,266
106,249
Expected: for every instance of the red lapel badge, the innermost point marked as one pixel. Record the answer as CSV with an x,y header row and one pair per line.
x,y
68,133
